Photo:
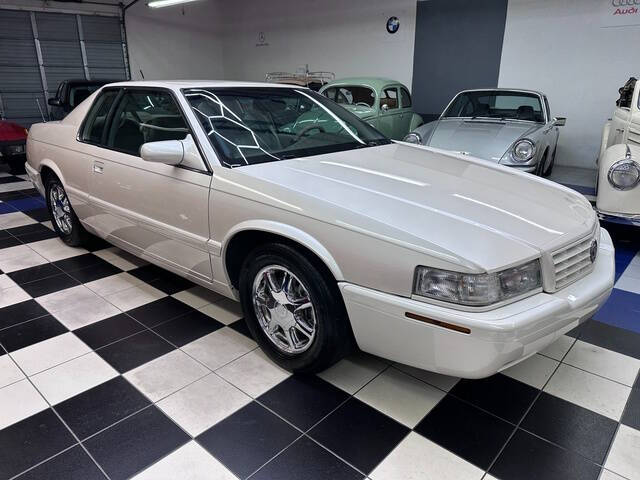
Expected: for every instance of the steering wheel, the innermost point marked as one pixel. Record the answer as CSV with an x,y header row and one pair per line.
x,y
362,104
308,128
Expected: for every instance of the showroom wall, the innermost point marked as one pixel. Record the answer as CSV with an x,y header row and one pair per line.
x,y
570,50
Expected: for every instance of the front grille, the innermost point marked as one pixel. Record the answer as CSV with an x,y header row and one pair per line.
x,y
573,262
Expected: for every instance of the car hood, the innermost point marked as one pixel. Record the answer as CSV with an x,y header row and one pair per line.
x,y
10,131
483,216
487,139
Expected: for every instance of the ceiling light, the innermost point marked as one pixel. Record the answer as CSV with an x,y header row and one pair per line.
x,y
167,3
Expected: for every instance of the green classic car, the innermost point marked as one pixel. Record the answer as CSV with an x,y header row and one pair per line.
x,y
384,103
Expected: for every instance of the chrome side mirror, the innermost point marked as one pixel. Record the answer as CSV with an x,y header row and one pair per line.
x,y
384,107
560,121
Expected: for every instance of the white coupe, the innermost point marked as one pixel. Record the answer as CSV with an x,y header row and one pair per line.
x,y
331,235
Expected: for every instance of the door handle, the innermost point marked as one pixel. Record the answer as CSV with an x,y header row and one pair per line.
x,y
620,130
98,167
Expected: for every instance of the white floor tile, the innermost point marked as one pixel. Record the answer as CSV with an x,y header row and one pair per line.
x,y
119,258
189,462
198,297
19,401
624,456
253,373
443,382
6,282
417,458
166,374
535,370
203,404
559,348
18,258
48,353
48,224
604,362
603,396
220,347
85,312
9,371
14,219
134,297
401,396
114,283
628,283
12,295
12,187
608,475
354,372
73,377
226,310
54,249
63,299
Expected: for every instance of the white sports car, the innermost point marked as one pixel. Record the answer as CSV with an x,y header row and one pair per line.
x,y
329,234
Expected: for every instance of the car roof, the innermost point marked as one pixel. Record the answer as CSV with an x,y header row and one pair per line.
x,y
518,90
178,84
375,82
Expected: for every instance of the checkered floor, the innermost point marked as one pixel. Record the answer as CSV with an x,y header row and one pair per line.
x,y
113,368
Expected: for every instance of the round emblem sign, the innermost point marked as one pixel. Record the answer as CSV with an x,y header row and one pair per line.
x,y
393,24
593,251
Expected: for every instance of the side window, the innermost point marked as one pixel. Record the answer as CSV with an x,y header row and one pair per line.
x,y
389,98
145,116
546,103
97,117
405,98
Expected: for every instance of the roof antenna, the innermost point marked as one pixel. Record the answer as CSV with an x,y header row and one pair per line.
x,y
141,74
40,108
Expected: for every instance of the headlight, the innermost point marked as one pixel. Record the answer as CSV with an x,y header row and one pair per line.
x,y
624,174
523,150
413,138
477,289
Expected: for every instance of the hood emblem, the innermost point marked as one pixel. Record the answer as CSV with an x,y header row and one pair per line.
x,y
593,251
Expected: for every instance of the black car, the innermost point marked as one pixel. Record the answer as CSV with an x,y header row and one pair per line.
x,y
71,93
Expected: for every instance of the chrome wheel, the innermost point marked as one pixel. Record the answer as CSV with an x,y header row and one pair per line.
x,y
284,309
60,208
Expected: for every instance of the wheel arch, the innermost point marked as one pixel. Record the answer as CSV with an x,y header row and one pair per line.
x,y
48,167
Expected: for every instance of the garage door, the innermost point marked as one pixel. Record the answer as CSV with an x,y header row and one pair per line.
x,y
40,49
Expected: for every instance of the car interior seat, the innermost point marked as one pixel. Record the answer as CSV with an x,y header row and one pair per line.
x,y
526,112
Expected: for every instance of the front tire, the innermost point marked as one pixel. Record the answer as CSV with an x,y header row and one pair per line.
x,y
293,310
63,218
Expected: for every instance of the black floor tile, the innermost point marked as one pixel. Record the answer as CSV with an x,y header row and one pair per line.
x,y
470,433
12,179
306,460
79,262
73,464
5,196
612,338
30,441
39,214
160,311
527,457
49,285
95,272
247,439
27,229
4,234
571,426
631,416
240,326
32,274
303,400
20,312
172,284
9,242
95,243
135,443
501,395
359,434
108,330
102,406
187,328
133,351
36,237
148,273
28,333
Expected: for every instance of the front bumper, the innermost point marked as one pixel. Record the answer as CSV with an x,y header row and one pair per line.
x,y
620,218
497,339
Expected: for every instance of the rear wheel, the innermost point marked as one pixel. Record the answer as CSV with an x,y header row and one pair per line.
x,y
293,310
64,220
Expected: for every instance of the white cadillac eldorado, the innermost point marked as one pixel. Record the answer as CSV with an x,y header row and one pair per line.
x,y
329,234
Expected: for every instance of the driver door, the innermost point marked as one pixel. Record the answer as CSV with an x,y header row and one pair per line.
x,y
158,211
390,118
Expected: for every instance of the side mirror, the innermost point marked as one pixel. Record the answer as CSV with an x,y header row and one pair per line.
x,y
384,107
560,121
55,102
169,152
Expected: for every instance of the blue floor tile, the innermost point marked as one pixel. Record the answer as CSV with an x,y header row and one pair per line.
x,y
621,310
6,208
26,204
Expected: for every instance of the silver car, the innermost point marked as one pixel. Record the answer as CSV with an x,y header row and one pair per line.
x,y
510,127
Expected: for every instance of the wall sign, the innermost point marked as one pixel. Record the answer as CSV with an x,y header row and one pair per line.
x,y
262,40
393,24
620,13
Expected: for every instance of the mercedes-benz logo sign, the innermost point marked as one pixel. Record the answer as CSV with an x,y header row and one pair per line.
x,y
593,251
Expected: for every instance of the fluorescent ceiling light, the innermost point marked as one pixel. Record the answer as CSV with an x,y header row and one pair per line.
x,y
167,3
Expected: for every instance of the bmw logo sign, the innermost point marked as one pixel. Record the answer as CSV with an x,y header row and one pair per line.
x,y
393,24
593,251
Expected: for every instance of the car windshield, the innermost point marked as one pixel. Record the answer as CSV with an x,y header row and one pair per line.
x,y
497,104
351,95
251,125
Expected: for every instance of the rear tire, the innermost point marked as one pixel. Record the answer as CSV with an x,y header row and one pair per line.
x,y
275,281
63,218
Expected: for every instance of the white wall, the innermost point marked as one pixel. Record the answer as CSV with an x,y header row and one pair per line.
x,y
180,42
347,37
563,49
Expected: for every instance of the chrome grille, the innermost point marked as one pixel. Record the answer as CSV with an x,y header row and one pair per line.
x,y
573,262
